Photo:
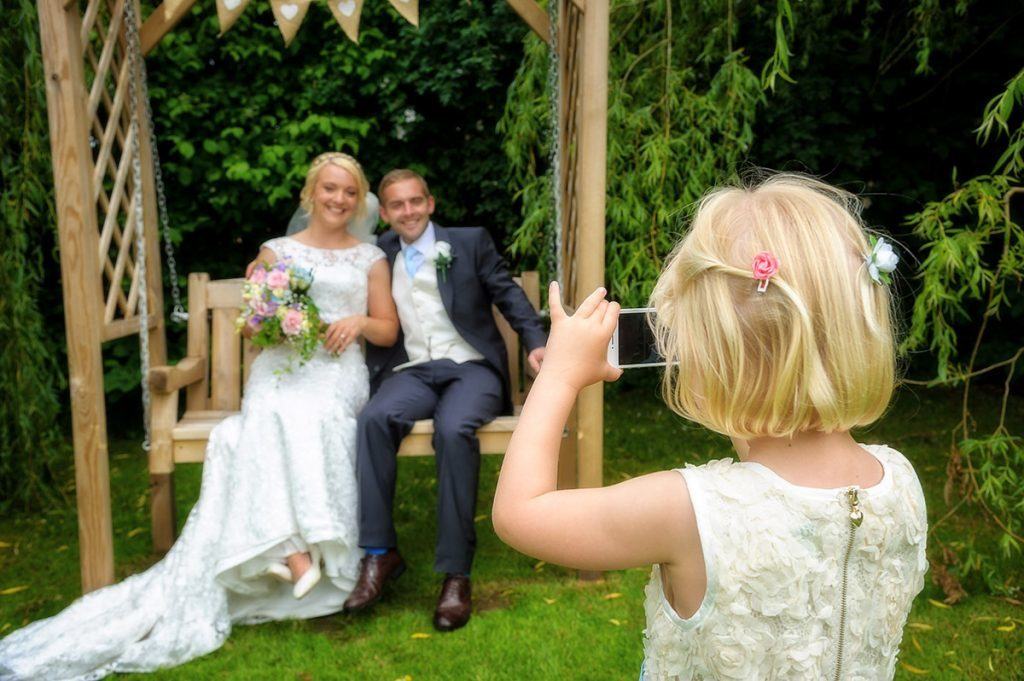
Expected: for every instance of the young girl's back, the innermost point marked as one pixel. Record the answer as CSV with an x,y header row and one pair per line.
x,y
802,582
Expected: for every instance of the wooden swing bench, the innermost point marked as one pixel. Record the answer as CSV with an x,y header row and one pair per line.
x,y
214,372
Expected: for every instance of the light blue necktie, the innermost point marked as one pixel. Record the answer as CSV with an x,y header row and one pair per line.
x,y
413,260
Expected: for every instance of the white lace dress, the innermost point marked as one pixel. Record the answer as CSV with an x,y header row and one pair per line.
x,y
278,477
794,590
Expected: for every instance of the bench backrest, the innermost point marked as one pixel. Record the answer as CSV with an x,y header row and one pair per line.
x,y
213,308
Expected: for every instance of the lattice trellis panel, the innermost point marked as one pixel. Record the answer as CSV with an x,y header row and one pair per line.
x,y
107,76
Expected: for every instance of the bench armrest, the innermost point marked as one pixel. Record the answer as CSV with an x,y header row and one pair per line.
x,y
166,379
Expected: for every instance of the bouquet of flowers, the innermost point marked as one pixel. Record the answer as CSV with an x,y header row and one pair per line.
x,y
278,309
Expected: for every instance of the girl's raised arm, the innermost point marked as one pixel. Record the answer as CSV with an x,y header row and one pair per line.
x,y
641,521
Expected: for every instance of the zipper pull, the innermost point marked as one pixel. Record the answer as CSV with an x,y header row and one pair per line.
x,y
856,517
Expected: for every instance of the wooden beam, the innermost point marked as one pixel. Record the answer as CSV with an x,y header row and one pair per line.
x,y
197,394
592,109
161,471
119,328
60,32
165,379
535,16
162,21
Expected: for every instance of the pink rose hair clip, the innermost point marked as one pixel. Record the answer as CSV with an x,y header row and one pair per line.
x,y
765,266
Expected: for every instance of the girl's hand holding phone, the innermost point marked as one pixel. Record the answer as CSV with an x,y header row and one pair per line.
x,y
577,349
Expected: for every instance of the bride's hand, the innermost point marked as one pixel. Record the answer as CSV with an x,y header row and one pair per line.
x,y
577,349
342,332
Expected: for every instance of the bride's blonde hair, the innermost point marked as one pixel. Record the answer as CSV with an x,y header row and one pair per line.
x,y
813,352
346,163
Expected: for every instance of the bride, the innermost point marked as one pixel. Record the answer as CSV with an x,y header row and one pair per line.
x,y
274,533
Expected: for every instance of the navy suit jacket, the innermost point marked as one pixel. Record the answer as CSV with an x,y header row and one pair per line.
x,y
476,279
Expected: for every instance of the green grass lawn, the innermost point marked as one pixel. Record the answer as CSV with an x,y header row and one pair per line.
x,y
531,620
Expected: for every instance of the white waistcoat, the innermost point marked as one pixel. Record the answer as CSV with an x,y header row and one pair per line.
x,y
429,332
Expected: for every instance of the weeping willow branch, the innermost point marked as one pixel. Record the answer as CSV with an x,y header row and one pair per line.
x,y
958,270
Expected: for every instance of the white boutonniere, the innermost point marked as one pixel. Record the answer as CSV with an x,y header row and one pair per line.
x,y
882,260
443,258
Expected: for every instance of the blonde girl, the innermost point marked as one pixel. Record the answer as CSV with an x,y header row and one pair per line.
x,y
801,558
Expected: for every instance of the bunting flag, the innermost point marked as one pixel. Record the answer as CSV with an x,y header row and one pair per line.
x,y
410,9
228,12
347,13
289,15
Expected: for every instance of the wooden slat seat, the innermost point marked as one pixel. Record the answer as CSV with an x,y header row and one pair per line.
x,y
191,433
213,375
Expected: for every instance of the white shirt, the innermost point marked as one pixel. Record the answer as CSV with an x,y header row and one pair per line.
x,y
424,244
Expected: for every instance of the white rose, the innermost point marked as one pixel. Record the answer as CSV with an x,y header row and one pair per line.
x,y
442,249
884,256
883,259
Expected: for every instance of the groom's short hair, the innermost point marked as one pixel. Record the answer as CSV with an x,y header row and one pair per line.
x,y
400,175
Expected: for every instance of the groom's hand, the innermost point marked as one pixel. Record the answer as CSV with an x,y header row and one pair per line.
x,y
535,358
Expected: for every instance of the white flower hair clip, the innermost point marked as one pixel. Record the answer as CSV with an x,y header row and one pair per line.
x,y
882,260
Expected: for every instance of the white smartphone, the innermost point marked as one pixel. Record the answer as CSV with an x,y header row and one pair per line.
x,y
632,344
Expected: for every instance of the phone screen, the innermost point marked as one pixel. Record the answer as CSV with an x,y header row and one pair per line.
x,y
635,340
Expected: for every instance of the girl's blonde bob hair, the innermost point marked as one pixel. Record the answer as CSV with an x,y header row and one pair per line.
x,y
346,163
814,352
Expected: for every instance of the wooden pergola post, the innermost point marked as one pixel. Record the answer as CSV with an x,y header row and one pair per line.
x,y
66,96
591,177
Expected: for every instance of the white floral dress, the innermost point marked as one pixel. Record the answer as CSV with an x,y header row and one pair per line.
x,y
777,557
278,477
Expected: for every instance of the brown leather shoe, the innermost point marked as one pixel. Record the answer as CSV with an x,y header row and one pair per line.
x,y
373,572
454,605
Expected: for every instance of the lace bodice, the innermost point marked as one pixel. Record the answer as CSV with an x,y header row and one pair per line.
x,y
776,557
339,275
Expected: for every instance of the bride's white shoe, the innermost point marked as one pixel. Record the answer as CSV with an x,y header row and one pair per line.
x,y
311,577
278,571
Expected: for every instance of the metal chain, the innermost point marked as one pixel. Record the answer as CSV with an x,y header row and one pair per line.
x,y
134,57
178,313
554,88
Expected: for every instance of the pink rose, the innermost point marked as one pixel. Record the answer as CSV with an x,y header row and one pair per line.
x,y
277,279
258,276
292,323
765,265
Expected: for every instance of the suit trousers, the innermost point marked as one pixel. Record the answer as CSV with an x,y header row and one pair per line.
x,y
460,398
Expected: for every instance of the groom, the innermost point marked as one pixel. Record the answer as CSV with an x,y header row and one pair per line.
x,y
449,364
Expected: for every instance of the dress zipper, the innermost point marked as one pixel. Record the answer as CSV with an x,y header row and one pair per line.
x,y
856,518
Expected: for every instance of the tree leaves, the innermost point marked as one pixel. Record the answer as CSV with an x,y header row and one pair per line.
x,y
30,375
682,104
972,271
